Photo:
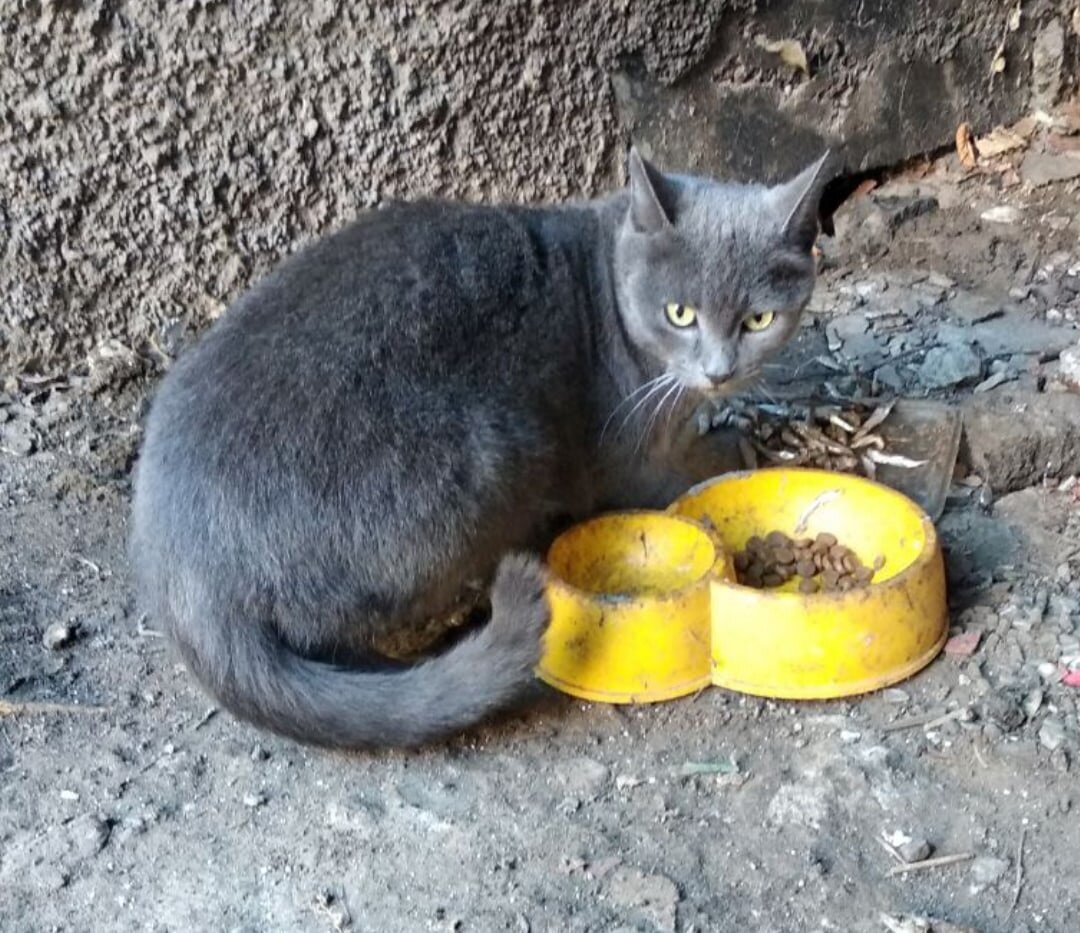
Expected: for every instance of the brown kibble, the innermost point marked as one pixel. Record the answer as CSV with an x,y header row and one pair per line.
x,y
821,564
879,561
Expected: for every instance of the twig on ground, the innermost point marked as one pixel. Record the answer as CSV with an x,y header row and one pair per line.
x,y
7,708
1019,871
937,862
928,720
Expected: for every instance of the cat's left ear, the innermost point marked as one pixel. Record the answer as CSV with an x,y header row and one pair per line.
x,y
798,200
651,200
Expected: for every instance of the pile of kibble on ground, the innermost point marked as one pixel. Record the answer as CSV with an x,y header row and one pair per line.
x,y
821,564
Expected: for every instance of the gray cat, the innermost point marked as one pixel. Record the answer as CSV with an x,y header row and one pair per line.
x,y
416,403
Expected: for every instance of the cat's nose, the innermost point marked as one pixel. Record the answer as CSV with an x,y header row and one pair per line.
x,y
718,375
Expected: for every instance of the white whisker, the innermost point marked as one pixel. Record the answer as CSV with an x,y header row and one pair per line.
x,y
657,385
641,388
643,439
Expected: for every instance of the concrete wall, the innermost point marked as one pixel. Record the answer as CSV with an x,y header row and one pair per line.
x,y
156,156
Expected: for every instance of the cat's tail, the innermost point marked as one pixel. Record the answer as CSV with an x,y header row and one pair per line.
x,y
258,678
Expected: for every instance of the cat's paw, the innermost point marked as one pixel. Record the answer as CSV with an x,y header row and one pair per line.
x,y
520,612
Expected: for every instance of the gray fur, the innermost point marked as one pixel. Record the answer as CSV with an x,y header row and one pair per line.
x,y
413,404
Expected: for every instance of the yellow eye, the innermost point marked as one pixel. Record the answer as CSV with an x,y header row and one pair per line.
x,y
756,322
680,315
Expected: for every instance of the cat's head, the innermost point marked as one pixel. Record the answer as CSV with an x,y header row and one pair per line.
x,y
712,278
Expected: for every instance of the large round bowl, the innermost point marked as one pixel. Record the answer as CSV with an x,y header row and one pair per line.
x,y
786,644
630,605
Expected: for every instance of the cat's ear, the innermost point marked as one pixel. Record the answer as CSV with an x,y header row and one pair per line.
x,y
651,197
798,201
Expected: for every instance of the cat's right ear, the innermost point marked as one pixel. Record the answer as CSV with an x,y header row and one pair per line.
x,y
651,199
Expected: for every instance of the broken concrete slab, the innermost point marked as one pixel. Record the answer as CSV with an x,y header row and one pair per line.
x,y
1034,517
950,365
1020,332
1016,438
1042,168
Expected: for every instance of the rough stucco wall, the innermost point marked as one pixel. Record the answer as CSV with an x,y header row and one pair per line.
x,y
155,157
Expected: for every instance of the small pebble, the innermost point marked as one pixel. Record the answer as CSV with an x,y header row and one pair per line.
x,y
1051,733
914,850
986,869
59,635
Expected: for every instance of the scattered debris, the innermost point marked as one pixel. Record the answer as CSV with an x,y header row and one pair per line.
x,y
1002,214
965,147
907,849
206,717
1051,733
827,437
1018,886
963,645
930,720
655,896
986,869
938,862
1042,168
332,906
999,141
1069,367
790,51
950,365
719,766
9,708
60,635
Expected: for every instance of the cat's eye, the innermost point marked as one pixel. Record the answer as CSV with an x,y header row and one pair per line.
x,y
680,315
756,322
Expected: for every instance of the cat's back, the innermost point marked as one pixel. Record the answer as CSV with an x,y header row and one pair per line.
x,y
434,288
416,328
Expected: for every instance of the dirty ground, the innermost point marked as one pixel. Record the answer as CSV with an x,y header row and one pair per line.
x,y
128,803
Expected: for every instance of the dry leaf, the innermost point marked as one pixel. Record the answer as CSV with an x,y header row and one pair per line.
x,y
965,146
790,51
1025,127
1068,118
1063,143
999,140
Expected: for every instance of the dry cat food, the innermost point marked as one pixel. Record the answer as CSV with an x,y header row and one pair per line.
x,y
824,437
821,564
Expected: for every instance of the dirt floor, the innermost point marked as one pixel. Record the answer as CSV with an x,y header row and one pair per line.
x,y
128,803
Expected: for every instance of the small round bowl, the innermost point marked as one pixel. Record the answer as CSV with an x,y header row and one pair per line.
x,y
785,644
630,608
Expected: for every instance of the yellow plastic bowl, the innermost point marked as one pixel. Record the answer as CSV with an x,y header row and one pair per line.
x,y
630,608
785,644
